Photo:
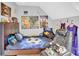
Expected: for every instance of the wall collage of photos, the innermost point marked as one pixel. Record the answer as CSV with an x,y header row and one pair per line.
x,y
34,22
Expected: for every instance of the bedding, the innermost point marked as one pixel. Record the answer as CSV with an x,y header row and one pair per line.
x,y
29,43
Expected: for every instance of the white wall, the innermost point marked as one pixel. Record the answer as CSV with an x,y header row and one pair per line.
x,y
32,11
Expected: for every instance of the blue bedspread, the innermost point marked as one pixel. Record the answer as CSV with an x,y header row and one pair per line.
x,y
25,45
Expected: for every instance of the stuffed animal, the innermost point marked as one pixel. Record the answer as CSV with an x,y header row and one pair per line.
x,y
46,33
12,40
19,37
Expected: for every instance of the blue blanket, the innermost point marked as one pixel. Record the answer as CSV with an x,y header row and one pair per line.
x,y
25,45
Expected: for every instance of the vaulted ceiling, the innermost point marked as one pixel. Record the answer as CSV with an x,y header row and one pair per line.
x,y
56,9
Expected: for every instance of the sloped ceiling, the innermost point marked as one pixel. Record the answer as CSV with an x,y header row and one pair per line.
x,y
56,10
60,10
76,5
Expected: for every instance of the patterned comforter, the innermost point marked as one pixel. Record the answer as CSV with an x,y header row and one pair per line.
x,y
29,44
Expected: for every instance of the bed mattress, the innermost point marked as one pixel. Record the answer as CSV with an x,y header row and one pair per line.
x,y
29,43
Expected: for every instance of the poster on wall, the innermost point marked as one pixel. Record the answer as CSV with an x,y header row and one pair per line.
x,y
43,21
29,22
5,10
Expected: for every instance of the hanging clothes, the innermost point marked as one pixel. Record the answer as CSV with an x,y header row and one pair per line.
x,y
78,41
73,41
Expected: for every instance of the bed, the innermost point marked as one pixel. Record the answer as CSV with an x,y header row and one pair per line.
x,y
29,43
27,48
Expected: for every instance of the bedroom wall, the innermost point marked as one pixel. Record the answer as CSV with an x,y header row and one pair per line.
x,y
32,11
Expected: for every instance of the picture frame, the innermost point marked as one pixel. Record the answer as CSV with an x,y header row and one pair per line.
x,y
5,10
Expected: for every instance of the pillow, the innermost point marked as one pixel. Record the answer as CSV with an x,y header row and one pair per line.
x,y
19,37
12,40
